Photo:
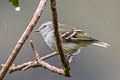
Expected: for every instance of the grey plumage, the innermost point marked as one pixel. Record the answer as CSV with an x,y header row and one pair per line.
x,y
72,39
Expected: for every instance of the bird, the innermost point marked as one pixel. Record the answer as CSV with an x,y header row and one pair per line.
x,y
72,39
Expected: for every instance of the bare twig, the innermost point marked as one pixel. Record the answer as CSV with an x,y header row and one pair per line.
x,y
34,50
49,55
37,62
58,41
23,38
32,64
25,65
37,55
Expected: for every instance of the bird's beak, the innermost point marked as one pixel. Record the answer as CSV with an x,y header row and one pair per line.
x,y
36,30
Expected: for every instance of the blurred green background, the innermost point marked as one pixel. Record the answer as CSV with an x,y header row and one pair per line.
x,y
100,18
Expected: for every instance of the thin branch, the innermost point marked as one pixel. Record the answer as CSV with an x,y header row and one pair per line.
x,y
33,64
37,62
49,55
23,38
36,55
58,41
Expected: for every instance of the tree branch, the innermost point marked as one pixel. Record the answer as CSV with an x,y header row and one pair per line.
x,y
34,64
23,38
37,62
36,55
57,37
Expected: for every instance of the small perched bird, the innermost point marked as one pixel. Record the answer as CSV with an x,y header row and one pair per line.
x,y
72,39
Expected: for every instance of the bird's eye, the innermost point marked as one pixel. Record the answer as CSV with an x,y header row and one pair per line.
x,y
44,26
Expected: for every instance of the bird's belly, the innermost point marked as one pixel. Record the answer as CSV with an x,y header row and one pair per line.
x,y
70,47
67,47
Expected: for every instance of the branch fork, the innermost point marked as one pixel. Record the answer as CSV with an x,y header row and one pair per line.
x,y
38,62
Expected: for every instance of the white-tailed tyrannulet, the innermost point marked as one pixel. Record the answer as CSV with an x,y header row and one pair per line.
x,y
72,39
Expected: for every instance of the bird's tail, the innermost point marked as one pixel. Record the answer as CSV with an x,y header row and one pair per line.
x,y
102,44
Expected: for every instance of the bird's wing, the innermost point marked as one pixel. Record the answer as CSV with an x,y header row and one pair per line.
x,y
77,36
